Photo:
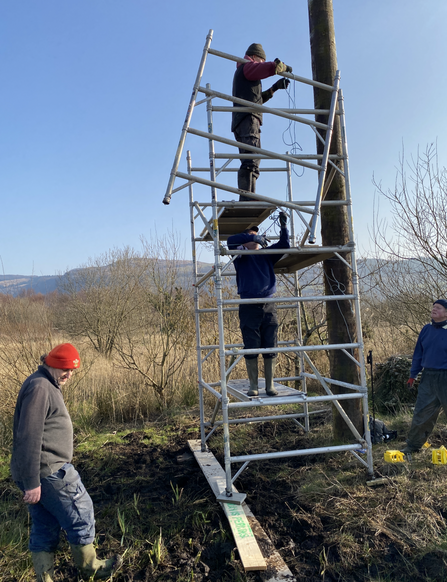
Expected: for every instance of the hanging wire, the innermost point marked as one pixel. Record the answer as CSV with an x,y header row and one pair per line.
x,y
275,224
290,131
294,147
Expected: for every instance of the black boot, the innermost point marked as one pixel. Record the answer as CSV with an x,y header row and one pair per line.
x,y
254,177
244,182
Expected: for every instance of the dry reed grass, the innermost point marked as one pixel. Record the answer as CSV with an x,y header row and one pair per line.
x,y
99,392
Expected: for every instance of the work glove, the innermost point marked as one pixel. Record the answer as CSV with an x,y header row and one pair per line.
x,y
410,383
281,84
261,240
282,67
282,219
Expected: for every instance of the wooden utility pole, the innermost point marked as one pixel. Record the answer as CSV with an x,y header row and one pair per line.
x,y
334,220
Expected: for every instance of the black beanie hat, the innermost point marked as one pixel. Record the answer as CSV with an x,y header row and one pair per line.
x,y
256,49
442,302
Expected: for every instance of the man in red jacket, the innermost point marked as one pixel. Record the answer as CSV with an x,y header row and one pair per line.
x,y
247,126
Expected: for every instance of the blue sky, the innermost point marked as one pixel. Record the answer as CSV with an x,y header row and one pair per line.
x,y
94,95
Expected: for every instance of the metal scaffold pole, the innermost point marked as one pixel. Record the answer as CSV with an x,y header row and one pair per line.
x,y
219,300
220,356
168,194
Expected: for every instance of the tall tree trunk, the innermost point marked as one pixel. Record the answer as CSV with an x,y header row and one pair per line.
x,y
334,220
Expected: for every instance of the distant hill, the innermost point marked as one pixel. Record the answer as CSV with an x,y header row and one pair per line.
x,y
18,284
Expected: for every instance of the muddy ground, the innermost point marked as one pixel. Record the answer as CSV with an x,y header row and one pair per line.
x,y
196,534
174,529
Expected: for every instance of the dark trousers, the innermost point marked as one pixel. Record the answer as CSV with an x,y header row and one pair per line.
x,y
259,327
249,132
432,396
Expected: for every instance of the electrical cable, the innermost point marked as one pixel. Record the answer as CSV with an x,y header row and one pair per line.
x,y
291,131
275,222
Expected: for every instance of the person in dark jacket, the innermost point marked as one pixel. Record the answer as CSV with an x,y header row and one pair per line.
x,y
41,467
247,126
256,278
430,356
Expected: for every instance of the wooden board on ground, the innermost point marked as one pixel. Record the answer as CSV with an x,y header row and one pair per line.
x,y
246,529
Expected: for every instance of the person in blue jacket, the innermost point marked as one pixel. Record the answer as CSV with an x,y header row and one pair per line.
x,y
430,356
256,278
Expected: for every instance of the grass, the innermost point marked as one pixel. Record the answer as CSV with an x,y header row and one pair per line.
x,y
324,520
327,496
100,392
318,511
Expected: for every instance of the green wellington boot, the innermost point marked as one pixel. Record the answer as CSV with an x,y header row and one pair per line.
x,y
252,371
269,371
88,564
43,563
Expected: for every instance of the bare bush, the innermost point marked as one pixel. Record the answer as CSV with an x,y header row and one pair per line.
x,y
156,339
410,270
101,296
26,333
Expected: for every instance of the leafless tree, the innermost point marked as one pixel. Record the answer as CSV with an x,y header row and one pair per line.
x,y
157,339
99,297
410,269
135,308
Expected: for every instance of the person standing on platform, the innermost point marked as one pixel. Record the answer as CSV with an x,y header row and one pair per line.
x,y
247,126
256,278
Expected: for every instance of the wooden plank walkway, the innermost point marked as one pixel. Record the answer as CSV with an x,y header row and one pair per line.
x,y
247,531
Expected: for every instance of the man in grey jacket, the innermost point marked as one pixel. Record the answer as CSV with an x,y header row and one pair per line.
x,y
41,467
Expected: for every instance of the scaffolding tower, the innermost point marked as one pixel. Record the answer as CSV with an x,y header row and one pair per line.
x,y
213,221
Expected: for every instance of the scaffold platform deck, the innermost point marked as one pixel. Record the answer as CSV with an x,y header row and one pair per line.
x,y
238,388
236,218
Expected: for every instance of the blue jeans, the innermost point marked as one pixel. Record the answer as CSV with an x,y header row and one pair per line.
x,y
64,504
